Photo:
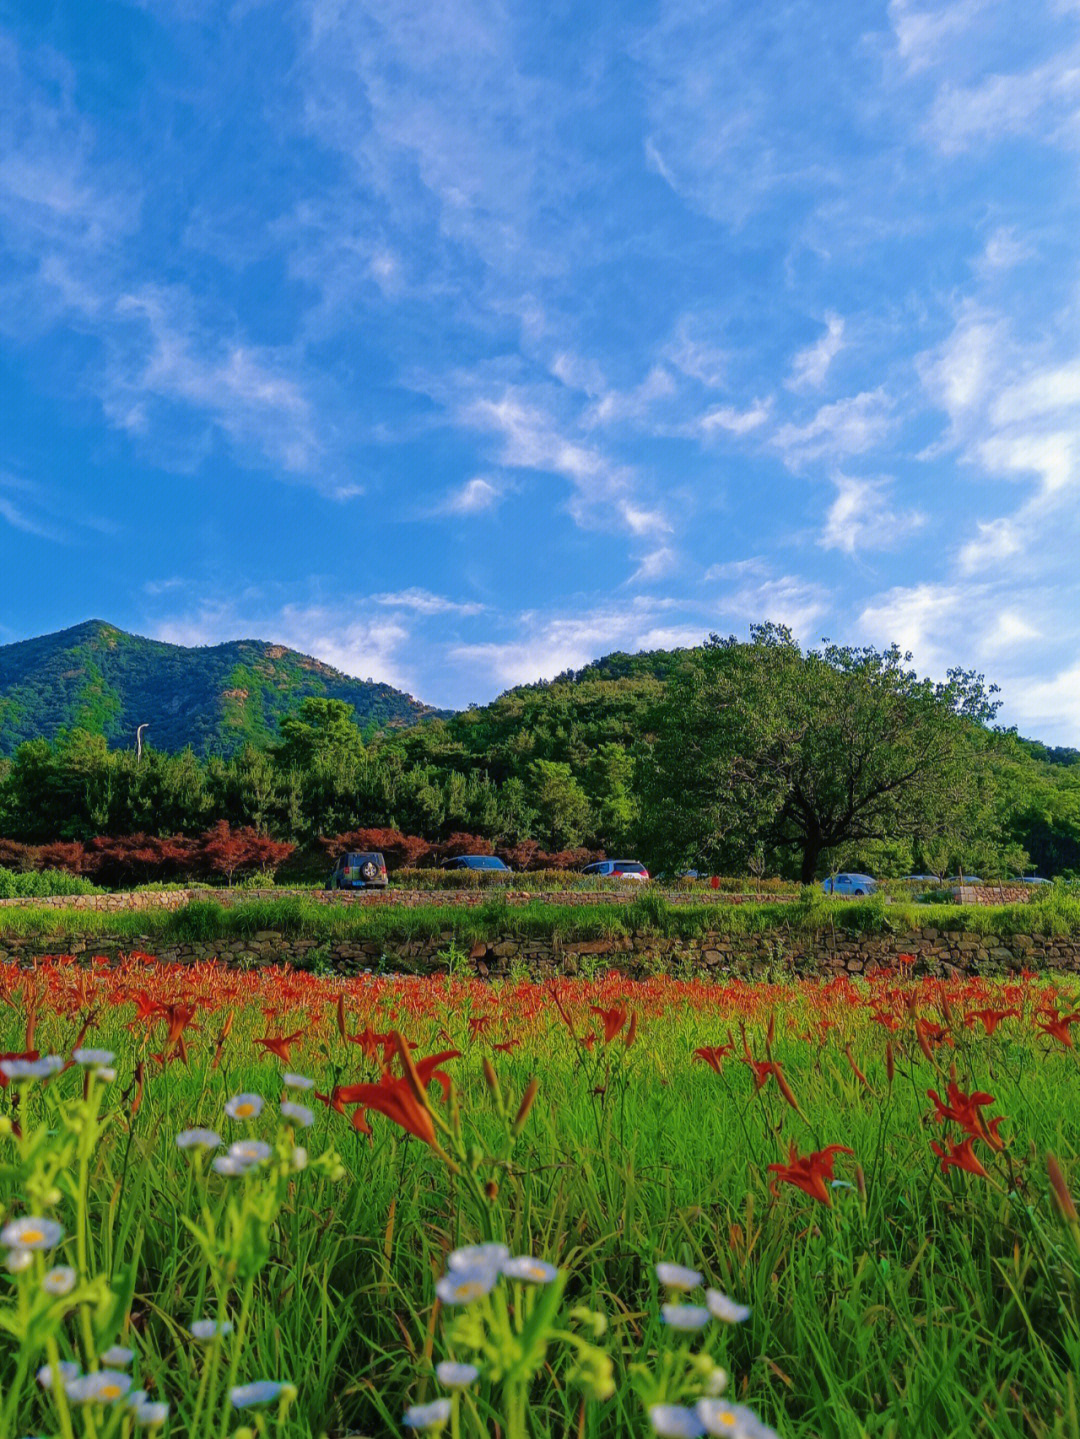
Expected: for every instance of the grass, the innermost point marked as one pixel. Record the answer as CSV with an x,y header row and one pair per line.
x,y
915,1302
1054,913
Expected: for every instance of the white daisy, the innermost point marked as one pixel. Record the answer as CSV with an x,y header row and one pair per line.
x,y
725,1309
529,1270
244,1106
685,1317
198,1139
677,1276
463,1286
298,1113
31,1233
674,1421
452,1375
427,1417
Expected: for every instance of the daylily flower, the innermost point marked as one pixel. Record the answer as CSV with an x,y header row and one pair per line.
x,y
808,1172
959,1156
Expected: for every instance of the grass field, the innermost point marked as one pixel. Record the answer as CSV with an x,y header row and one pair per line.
x,y
923,1279
1054,912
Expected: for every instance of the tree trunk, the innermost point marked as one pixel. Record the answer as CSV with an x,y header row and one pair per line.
x,y
810,855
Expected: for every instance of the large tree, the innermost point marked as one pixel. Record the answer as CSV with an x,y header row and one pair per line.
x,y
763,744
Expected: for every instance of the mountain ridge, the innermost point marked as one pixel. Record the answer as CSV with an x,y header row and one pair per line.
x,y
98,677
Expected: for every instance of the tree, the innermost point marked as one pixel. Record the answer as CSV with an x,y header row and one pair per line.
x,y
227,851
761,743
562,805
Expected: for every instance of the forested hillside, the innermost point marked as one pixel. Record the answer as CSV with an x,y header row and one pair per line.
x,y
708,756
216,698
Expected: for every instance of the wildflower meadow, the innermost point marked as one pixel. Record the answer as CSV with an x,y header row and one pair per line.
x,y
270,1203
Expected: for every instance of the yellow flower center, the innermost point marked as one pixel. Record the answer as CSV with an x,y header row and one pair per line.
x,y
728,1421
32,1236
243,1110
111,1391
472,1290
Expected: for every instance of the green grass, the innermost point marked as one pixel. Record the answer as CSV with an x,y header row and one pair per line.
x,y
932,1304
1056,914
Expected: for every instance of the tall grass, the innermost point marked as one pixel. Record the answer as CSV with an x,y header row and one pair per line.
x,y
917,1303
1053,913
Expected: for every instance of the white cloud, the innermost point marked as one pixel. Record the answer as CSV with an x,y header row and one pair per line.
x,y
785,600
1044,101
995,542
364,648
846,427
730,420
922,32
860,517
547,645
1004,250
423,602
473,498
811,366
247,392
655,565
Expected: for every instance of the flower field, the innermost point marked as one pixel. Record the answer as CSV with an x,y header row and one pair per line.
x,y
237,1203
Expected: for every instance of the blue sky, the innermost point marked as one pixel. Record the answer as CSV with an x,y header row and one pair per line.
x,y
458,343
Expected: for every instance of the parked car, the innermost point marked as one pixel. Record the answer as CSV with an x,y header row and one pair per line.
x,y
487,862
955,879
849,884
617,869
364,870
920,879
1034,879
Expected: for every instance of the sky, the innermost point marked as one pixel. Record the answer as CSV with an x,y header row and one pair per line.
x,y
459,342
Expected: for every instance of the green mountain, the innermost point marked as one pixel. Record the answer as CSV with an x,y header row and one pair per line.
x,y
213,697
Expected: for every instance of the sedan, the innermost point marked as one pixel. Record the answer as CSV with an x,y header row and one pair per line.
x,y
849,884
488,863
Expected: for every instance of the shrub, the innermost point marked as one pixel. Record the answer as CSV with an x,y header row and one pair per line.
x,y
401,851
42,884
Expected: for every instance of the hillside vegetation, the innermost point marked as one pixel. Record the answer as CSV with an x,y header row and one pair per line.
x,y
734,757
215,698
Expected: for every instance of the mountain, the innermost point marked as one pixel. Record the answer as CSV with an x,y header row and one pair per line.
x,y
213,697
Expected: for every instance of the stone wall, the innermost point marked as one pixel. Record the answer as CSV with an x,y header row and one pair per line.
x,y
828,952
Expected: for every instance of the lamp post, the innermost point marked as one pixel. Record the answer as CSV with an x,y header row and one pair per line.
x,y
138,742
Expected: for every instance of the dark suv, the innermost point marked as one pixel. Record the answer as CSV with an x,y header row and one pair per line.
x,y
359,871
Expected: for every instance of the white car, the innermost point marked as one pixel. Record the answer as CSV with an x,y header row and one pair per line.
x,y
617,869
849,884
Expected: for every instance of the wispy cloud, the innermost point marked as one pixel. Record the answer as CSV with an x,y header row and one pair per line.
x,y
861,517
810,366
850,426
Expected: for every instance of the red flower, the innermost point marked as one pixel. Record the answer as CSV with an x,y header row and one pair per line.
x,y
809,1172
713,1055
280,1044
964,1110
1058,1028
959,1156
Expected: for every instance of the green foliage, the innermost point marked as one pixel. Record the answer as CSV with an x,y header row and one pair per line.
x,y
42,884
214,698
808,753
